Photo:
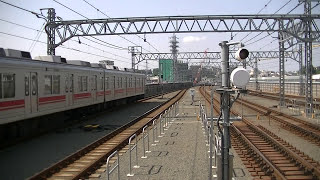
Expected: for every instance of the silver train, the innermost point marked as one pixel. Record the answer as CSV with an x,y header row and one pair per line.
x,y
48,84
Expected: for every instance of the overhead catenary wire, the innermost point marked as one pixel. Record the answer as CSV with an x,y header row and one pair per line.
x,y
41,31
122,48
95,37
266,5
88,18
15,6
64,47
287,13
272,32
33,44
111,18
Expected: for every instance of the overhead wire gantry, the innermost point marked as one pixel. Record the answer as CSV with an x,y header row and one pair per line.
x,y
303,28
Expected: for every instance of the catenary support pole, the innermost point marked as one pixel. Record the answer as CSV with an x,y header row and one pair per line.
x,y
225,104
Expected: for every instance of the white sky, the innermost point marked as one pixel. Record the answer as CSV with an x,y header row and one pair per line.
x,y
142,8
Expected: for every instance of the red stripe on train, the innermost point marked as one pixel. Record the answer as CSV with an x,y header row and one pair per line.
x,y
52,98
11,103
49,102
101,93
118,91
8,108
82,95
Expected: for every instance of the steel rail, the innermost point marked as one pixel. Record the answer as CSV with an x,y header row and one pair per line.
x,y
272,170
309,132
275,96
278,144
147,118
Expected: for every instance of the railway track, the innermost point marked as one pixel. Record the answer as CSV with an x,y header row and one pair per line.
x,y
308,131
266,155
84,162
300,100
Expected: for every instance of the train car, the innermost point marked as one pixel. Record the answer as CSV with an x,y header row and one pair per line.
x,y
49,84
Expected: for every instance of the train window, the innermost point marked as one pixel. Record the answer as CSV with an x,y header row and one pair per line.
x,y
26,85
129,82
101,83
8,83
66,83
84,83
47,84
56,84
118,82
80,83
107,83
71,82
121,82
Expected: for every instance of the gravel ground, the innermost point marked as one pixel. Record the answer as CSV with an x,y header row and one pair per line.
x,y
25,159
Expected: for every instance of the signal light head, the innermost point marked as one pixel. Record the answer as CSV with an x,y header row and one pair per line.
x,y
242,54
240,77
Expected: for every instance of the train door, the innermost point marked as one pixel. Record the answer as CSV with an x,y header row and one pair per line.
x,y
31,92
69,89
94,87
34,92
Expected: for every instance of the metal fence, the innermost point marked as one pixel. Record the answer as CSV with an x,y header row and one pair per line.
x,y
289,88
162,123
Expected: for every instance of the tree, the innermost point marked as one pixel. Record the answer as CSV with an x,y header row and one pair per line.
x,y
155,72
313,70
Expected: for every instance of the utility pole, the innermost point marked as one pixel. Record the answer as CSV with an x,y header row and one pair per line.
x,y
308,59
281,65
134,50
301,83
256,73
133,59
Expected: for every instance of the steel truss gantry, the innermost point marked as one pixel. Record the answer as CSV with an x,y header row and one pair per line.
x,y
294,55
293,25
301,28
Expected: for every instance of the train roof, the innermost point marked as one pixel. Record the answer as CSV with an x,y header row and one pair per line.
x,y
24,59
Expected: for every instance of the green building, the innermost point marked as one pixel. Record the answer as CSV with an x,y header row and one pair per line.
x,y
166,69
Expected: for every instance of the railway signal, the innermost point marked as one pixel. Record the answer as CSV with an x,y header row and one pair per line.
x,y
242,54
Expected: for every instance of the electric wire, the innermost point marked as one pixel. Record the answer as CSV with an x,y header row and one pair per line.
x,y
122,48
41,31
64,47
88,18
266,5
18,24
287,13
15,6
33,44
269,34
111,18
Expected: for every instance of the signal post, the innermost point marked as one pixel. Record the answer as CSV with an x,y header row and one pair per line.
x,y
239,77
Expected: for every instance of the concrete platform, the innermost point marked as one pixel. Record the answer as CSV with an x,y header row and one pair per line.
x,y
181,152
